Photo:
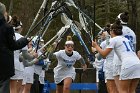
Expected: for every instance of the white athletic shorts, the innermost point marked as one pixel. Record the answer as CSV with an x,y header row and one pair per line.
x,y
130,73
109,75
28,75
116,70
18,75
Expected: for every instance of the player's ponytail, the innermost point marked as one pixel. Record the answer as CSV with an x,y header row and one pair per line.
x,y
69,40
16,23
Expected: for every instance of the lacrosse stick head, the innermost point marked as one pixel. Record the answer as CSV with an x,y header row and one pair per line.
x,y
71,3
78,25
65,20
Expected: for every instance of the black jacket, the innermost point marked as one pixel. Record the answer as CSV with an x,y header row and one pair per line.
x,y
7,46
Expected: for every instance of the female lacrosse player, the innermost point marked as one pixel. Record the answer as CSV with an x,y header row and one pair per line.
x,y
64,72
100,64
33,71
16,80
110,82
107,63
130,35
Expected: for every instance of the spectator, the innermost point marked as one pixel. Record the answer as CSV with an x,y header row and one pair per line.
x,y
8,44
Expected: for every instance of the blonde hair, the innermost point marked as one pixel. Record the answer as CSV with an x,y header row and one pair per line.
x,y
69,40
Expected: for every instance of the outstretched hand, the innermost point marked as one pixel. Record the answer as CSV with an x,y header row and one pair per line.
x,y
55,44
94,43
93,49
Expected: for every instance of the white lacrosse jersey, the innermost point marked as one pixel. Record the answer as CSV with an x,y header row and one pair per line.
x,y
65,64
109,58
130,35
18,65
124,50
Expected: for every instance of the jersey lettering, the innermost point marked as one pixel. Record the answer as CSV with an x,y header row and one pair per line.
x,y
129,38
129,46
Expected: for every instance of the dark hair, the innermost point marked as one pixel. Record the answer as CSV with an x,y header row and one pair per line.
x,y
117,27
15,22
107,28
124,17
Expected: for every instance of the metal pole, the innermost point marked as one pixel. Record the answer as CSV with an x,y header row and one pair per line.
x,y
37,15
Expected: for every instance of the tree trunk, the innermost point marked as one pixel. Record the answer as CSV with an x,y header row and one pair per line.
x,y
10,7
133,11
107,11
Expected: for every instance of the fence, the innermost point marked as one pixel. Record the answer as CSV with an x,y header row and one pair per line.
x,y
81,85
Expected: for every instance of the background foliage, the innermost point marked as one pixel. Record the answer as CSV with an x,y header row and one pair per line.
x,y
106,11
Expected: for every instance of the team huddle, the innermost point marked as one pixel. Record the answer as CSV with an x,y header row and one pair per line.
x,y
117,52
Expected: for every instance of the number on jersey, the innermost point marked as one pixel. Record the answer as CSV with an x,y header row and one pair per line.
x,y
129,46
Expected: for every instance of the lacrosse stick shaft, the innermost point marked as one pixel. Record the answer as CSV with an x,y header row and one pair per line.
x,y
37,15
90,19
74,30
48,42
46,29
80,38
70,2
42,19
47,22
59,35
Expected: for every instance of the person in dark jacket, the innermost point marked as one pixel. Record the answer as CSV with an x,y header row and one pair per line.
x,y
7,46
